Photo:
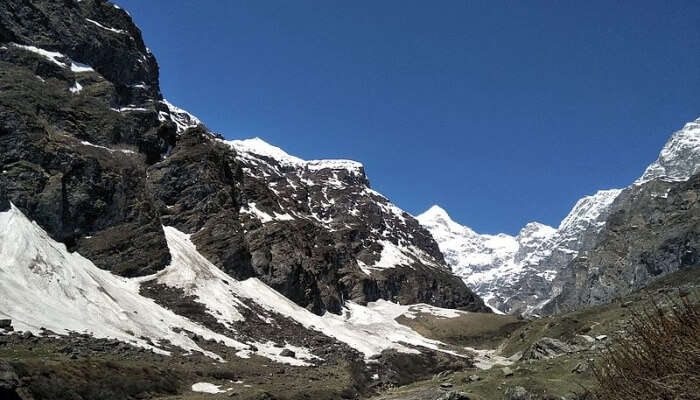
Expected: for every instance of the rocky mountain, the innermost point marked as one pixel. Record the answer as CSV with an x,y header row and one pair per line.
x,y
653,230
93,153
523,273
124,218
490,264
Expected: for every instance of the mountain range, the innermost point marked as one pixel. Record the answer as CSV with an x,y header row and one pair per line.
x,y
140,252
523,273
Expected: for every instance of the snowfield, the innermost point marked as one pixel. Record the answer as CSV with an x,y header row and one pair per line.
x,y
45,285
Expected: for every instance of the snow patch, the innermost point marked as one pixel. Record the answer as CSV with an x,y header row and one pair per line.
x,y
76,88
119,31
252,209
45,285
204,387
183,120
255,147
56,58
85,143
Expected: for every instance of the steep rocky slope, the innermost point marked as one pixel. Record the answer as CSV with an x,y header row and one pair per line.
x,y
653,230
91,151
517,274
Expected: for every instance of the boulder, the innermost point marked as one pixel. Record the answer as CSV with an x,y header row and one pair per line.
x,y
507,371
5,323
546,348
584,338
580,368
287,353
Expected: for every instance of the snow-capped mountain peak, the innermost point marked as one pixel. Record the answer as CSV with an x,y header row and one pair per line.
x,y
517,278
485,262
436,216
680,157
497,265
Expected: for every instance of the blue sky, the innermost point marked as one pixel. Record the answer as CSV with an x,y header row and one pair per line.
x,y
501,112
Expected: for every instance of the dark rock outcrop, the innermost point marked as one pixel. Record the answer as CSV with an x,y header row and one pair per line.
x,y
547,348
653,230
304,228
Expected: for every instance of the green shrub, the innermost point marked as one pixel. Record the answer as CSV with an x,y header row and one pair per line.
x,y
657,358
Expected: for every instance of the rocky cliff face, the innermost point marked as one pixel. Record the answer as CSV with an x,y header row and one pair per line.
x,y
91,151
515,277
78,127
653,230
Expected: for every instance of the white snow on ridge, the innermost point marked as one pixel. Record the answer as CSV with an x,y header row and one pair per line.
x,y
120,31
589,209
55,57
680,157
250,148
331,190
257,146
182,119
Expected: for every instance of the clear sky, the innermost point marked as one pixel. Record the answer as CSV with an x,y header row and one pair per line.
x,y
502,112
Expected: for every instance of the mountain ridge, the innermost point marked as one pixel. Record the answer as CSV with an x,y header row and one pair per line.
x,y
522,283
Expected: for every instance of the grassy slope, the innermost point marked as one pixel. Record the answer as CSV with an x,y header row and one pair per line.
x,y
554,377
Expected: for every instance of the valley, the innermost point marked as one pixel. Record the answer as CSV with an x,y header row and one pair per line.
x,y
145,256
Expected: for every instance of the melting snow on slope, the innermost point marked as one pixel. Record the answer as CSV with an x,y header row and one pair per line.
x,y
369,329
76,88
86,143
56,57
182,119
264,217
204,387
44,285
189,272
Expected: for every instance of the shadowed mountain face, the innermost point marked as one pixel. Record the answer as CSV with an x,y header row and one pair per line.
x,y
91,151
